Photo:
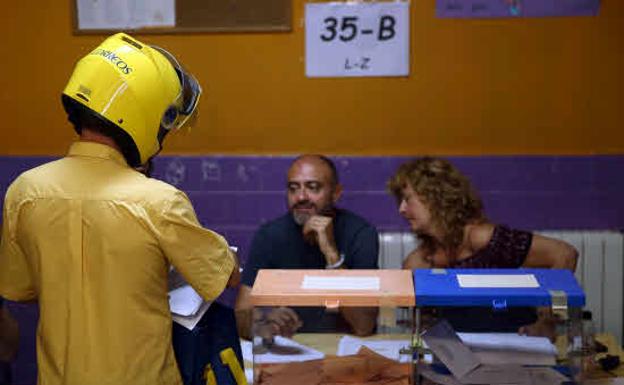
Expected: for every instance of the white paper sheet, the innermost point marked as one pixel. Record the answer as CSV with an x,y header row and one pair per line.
x,y
191,321
125,14
304,353
508,341
312,282
185,301
497,281
367,39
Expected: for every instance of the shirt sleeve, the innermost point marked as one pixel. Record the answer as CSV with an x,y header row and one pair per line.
x,y
257,258
200,255
16,281
363,252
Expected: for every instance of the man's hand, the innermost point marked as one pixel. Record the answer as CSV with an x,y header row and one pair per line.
x,y
321,228
545,326
281,321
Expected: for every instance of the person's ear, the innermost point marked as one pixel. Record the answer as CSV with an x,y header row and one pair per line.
x,y
337,193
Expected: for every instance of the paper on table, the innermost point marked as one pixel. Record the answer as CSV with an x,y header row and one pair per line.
x,y
388,348
249,375
508,341
312,282
303,353
497,280
184,301
510,348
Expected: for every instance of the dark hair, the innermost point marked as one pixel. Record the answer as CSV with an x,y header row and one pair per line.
x,y
81,116
328,162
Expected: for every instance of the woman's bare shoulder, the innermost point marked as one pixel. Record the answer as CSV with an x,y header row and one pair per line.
x,y
417,259
479,235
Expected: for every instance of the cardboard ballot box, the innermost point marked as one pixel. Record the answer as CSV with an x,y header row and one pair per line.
x,y
469,320
305,324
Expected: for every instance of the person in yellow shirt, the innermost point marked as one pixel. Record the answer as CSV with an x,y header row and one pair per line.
x,y
92,240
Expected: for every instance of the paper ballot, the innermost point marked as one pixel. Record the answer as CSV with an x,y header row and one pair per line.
x,y
184,301
191,321
283,350
187,307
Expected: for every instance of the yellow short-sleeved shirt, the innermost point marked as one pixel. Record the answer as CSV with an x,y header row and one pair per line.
x,y
91,240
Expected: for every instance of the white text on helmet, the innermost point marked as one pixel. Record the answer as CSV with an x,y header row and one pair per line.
x,y
122,65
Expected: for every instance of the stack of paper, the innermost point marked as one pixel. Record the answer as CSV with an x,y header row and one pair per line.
x,y
366,367
282,350
510,348
187,307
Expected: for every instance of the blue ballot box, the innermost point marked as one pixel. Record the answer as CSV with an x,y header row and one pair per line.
x,y
496,288
476,315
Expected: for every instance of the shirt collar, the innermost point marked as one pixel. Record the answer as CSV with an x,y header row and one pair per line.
x,y
96,150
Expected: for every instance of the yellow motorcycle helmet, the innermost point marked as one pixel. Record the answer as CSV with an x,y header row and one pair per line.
x,y
139,90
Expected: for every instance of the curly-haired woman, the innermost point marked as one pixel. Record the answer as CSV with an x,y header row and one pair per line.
x,y
447,216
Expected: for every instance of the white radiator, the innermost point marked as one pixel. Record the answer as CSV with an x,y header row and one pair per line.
x,y
600,270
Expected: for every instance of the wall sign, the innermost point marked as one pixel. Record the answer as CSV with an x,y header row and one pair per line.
x,y
357,39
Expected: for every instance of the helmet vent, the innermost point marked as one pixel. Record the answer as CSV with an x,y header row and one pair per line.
x,y
131,42
120,121
81,96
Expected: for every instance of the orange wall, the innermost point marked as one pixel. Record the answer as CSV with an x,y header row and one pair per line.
x,y
499,86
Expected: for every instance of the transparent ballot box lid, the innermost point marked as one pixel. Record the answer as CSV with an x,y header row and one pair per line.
x,y
498,326
332,326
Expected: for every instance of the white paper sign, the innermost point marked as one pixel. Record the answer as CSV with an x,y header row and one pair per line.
x,y
497,280
345,39
125,14
313,282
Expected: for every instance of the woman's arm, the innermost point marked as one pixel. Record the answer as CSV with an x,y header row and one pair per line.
x,y
551,253
544,252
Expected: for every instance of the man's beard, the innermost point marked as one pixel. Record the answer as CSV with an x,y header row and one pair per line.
x,y
301,218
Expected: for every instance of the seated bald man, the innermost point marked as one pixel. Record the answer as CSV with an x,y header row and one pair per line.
x,y
313,234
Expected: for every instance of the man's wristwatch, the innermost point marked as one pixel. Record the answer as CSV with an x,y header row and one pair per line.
x,y
337,264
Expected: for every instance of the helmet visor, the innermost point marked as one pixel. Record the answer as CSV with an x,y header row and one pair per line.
x,y
184,105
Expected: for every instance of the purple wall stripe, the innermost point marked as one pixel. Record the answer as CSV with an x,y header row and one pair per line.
x,y
515,8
